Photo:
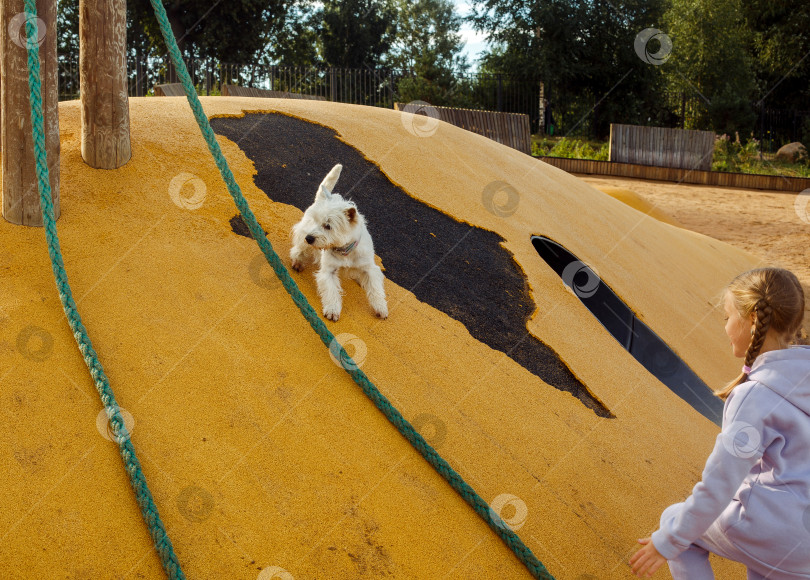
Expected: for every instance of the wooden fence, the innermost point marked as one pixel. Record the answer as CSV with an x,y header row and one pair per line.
x,y
661,147
237,91
510,129
170,90
720,178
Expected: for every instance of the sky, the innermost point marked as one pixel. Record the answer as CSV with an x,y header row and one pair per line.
x,y
475,42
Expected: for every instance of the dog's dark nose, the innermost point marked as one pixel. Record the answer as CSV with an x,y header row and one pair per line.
x,y
310,239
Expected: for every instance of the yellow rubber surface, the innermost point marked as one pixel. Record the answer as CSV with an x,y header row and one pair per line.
x,y
262,454
637,202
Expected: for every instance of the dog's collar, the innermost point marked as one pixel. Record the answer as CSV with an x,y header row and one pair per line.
x,y
347,249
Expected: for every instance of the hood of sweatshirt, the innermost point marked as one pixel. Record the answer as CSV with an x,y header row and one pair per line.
x,y
786,372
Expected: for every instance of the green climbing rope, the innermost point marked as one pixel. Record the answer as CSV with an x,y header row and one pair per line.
x,y
405,428
133,466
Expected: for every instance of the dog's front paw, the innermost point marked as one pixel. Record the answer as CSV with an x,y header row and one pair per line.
x,y
380,307
332,314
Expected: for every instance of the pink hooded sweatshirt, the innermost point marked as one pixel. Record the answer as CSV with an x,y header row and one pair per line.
x,y
756,484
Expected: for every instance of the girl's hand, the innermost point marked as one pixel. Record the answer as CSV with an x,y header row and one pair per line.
x,y
647,560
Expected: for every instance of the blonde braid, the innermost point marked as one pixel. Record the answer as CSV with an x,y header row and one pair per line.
x,y
762,322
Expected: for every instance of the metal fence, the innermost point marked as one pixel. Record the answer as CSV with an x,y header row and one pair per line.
x,y
776,127
375,87
771,127
383,87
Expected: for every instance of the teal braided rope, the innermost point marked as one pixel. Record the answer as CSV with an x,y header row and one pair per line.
x,y
133,466
405,428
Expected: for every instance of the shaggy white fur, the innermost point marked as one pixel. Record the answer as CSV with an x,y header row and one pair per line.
x,y
333,234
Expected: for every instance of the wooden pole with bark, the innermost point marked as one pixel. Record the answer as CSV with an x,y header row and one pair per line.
x,y
20,191
103,83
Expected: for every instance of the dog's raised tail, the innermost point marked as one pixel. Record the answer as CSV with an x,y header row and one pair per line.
x,y
330,180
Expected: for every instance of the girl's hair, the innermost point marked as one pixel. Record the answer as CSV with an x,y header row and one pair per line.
x,y
776,298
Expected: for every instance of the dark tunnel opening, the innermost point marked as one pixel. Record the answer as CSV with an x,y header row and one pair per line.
x,y
634,336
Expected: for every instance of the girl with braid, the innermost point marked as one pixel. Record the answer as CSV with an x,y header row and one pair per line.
x,y
753,503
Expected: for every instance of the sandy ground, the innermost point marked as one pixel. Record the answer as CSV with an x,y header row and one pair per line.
x,y
774,226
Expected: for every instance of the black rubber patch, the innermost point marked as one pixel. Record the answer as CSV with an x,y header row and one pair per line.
x,y
636,337
456,268
239,226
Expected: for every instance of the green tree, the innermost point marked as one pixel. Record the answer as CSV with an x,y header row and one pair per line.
x,y
67,23
712,57
781,51
236,31
296,43
583,52
428,43
356,33
67,47
140,47
427,36
781,44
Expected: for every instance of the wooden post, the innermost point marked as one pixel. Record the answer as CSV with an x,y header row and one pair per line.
x,y
20,190
103,83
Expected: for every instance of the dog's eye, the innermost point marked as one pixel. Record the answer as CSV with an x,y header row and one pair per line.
x,y
327,227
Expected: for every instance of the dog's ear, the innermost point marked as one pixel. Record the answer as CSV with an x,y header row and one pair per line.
x,y
351,213
329,181
323,193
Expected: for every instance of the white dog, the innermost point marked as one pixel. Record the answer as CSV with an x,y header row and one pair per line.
x,y
333,233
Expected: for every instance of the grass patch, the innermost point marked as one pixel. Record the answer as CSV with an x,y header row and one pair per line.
x,y
545,146
736,157
730,156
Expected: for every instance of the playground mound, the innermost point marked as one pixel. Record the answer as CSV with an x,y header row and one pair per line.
x,y
771,225
263,456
